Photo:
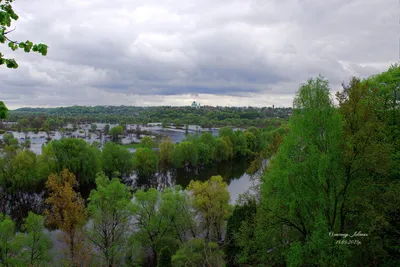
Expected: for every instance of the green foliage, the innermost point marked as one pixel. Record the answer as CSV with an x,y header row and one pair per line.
x,y
36,242
185,155
109,208
222,150
115,132
8,139
211,200
7,15
93,127
163,219
369,158
115,158
251,141
76,155
3,110
166,152
239,144
205,116
198,252
106,128
10,244
164,260
145,162
303,181
147,142
21,172
242,216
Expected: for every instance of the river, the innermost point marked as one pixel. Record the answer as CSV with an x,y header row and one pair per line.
x,y
233,173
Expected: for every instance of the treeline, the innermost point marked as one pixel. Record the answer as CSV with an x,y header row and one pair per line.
x,y
330,195
150,228
205,116
23,170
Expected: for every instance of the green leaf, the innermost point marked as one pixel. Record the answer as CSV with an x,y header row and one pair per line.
x,y
11,63
3,110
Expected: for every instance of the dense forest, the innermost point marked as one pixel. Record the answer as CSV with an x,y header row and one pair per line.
x,y
204,116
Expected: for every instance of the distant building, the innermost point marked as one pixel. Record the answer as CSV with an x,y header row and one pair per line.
x,y
195,105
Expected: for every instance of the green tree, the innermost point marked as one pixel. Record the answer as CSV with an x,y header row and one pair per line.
x,y
3,110
163,219
115,132
116,158
301,191
243,216
10,140
36,242
197,252
164,259
166,150
106,128
211,201
240,144
369,164
251,141
257,134
222,150
109,209
76,155
145,162
147,142
93,127
10,244
226,132
21,173
185,155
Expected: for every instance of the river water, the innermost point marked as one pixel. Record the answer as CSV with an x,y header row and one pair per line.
x,y
233,173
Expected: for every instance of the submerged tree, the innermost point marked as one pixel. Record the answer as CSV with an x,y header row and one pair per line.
x,y
115,133
76,155
10,244
166,149
36,242
67,211
109,209
198,252
163,219
211,201
115,158
145,162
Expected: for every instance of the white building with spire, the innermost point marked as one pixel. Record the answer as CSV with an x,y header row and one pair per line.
x,y
195,105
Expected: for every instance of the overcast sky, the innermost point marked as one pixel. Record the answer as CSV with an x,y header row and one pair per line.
x,y
216,52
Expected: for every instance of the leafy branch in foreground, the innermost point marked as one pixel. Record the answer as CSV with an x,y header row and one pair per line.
x,y
7,15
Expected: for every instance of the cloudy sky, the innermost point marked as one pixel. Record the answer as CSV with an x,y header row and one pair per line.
x,y
172,52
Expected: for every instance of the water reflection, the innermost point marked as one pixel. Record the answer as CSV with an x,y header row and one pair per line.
x,y
18,205
230,171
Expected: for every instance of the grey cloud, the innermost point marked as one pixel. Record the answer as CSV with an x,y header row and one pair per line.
x,y
165,51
